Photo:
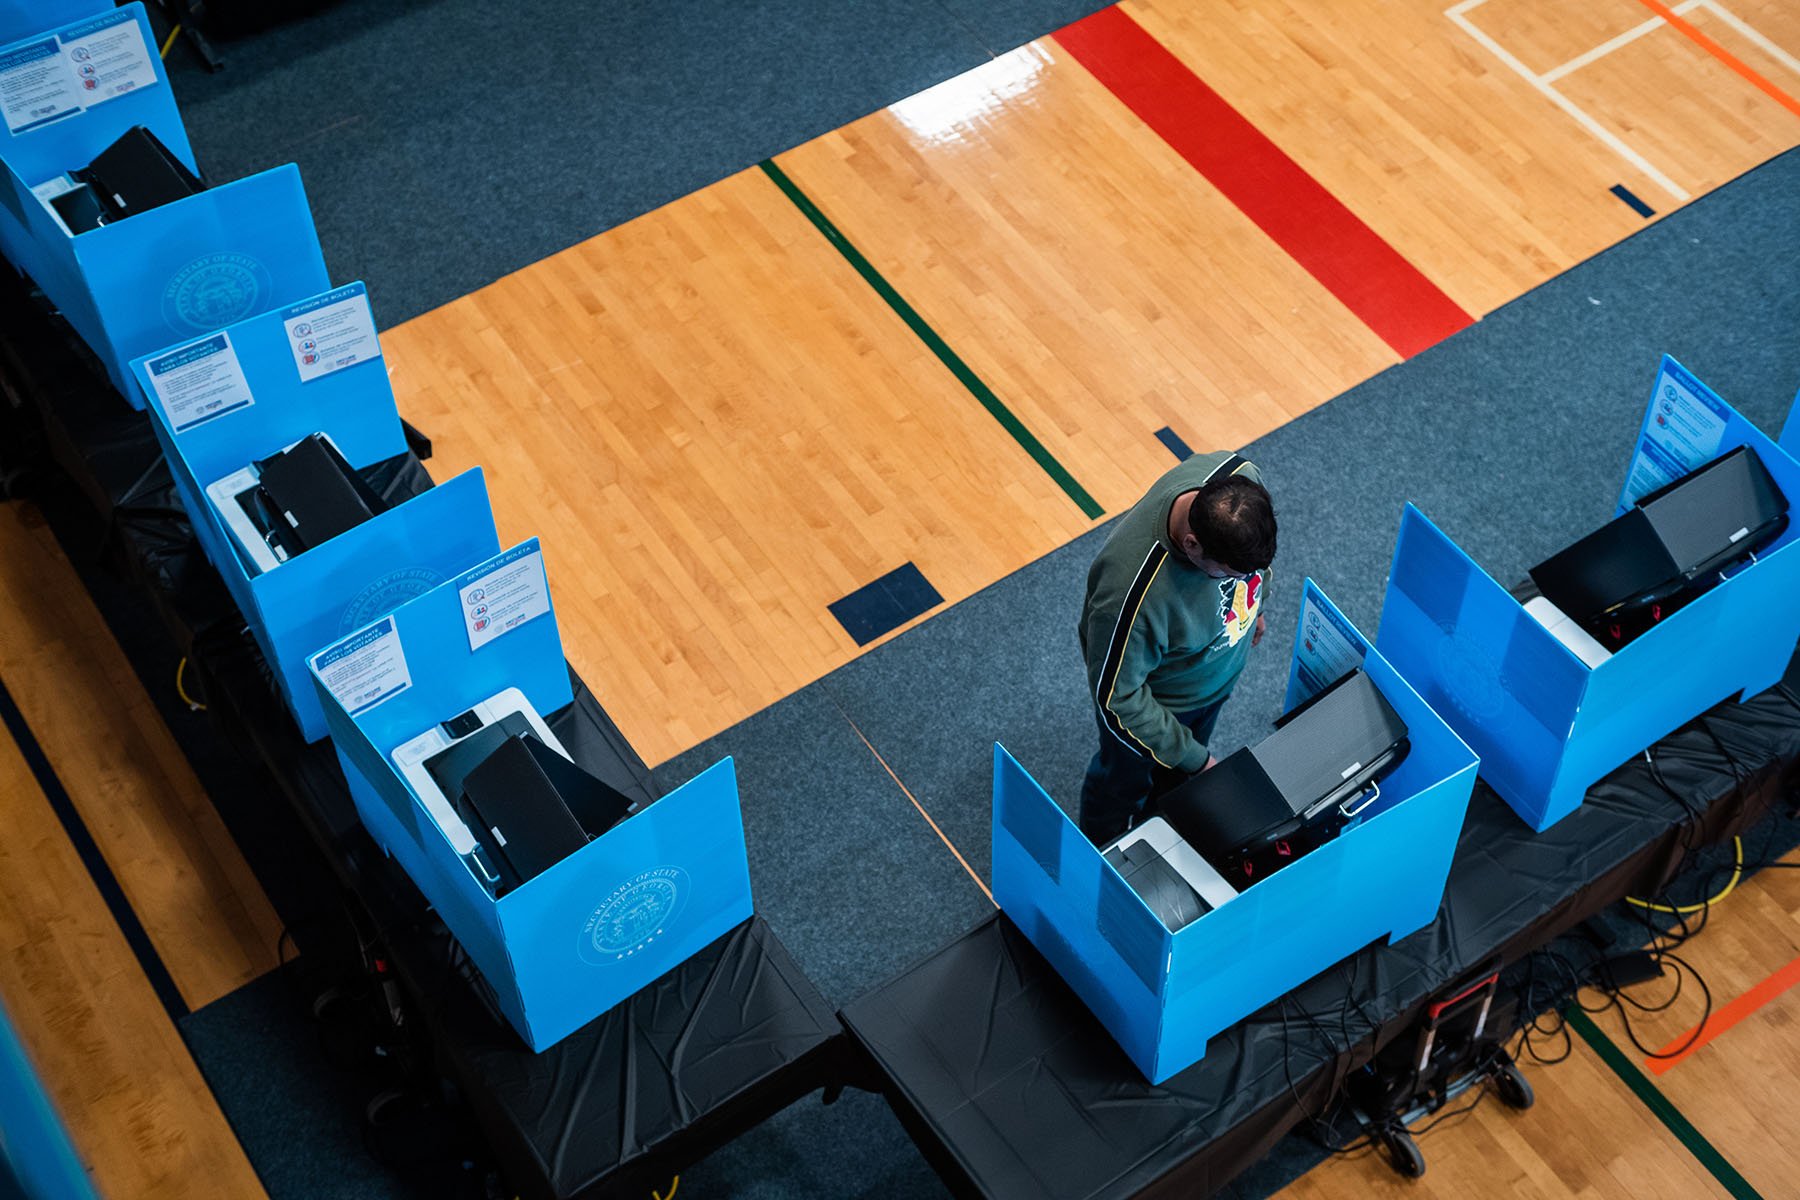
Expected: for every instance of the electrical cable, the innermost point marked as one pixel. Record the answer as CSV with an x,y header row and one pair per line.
x,y
1737,873
1326,1141
1481,1091
193,704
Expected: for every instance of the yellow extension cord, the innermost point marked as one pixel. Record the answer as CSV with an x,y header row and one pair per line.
x,y
1737,873
193,704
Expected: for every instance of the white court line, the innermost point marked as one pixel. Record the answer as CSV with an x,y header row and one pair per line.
x,y
1624,39
1747,30
1606,136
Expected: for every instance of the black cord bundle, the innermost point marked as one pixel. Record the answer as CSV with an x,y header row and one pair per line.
x,y
1322,1129
1667,927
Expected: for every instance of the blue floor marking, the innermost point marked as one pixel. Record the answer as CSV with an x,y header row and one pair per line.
x,y
1638,206
886,604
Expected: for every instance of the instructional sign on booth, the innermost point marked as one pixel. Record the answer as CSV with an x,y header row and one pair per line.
x,y
365,668
200,381
331,332
1684,427
1328,649
509,592
60,75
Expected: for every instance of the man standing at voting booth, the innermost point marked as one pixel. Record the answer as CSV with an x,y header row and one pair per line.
x,y
1174,604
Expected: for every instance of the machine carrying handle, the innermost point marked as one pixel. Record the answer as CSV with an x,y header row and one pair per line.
x,y
1724,578
1373,794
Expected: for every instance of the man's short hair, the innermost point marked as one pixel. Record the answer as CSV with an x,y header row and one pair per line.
x,y
1235,522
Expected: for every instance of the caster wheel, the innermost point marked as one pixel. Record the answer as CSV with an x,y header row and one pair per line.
x,y
1404,1153
1512,1088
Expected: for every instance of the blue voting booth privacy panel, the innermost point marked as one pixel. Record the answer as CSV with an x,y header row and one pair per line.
x,y
598,926
1164,996
22,18
200,264
243,392
1547,727
332,589
52,121
37,1160
1790,432
1501,680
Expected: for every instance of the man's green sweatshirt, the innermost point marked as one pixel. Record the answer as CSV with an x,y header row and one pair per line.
x,y
1160,635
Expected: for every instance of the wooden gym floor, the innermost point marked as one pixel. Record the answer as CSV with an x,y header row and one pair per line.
x,y
949,335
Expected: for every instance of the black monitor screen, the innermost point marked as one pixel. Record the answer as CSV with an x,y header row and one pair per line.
x,y
1621,560
1667,550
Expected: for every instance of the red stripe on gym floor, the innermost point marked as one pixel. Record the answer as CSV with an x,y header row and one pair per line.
x,y
1373,280
1724,1018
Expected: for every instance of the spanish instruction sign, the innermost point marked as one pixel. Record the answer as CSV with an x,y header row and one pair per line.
x,y
365,668
330,332
1682,430
1329,649
200,381
509,591
67,73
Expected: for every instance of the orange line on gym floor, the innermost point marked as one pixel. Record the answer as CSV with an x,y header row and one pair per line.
x,y
1728,1016
1723,55
921,808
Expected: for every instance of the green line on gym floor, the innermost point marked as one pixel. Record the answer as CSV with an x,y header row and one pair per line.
x,y
1659,1104
937,345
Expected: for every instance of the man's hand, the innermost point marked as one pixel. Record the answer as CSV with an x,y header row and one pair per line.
x,y
1256,638
1211,762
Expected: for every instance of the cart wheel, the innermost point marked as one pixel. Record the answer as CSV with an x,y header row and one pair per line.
x,y
1512,1088
1403,1153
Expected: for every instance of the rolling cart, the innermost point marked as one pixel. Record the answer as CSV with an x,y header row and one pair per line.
x,y
1458,1048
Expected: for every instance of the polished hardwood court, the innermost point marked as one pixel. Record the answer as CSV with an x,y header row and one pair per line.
x,y
109,1054
1586,1137
719,429
1736,1085
161,838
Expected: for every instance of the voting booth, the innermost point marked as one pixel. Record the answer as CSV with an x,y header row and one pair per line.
x,y
1162,995
246,392
171,272
607,920
1548,724
1790,432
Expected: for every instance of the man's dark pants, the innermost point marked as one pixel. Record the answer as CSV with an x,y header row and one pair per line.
x,y
1122,785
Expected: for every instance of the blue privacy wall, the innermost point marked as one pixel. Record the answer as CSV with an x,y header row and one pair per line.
x,y
1163,995
22,18
240,393
603,923
244,393
51,122
1547,726
164,275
